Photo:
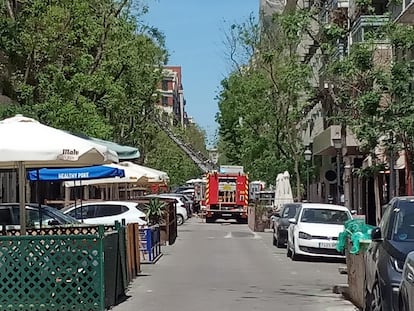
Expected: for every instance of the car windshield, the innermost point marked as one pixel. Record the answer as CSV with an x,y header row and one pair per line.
x,y
324,216
45,215
290,210
58,215
403,224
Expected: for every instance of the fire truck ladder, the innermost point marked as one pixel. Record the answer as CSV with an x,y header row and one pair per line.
x,y
197,157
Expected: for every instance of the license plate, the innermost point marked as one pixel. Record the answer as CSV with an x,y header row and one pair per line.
x,y
327,244
226,215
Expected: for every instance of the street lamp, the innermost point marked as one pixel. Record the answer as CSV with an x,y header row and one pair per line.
x,y
337,142
392,142
308,156
213,155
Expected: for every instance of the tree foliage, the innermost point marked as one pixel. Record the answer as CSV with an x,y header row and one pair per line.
x,y
261,102
371,88
85,66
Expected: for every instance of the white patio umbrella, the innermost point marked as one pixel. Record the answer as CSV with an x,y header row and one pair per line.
x,y
153,175
26,142
131,177
283,191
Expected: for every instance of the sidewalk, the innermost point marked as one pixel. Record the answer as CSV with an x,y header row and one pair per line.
x,y
339,288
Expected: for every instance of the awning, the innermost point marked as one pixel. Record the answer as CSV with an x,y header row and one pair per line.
x,y
77,173
124,152
381,157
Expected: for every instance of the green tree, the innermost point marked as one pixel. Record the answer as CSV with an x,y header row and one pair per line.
x,y
371,89
84,66
261,102
90,67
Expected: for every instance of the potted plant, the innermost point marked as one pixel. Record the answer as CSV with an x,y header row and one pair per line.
x,y
155,211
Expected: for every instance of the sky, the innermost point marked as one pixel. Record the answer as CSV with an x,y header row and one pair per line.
x,y
195,39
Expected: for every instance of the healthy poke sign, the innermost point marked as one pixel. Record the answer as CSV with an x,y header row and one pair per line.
x,y
71,176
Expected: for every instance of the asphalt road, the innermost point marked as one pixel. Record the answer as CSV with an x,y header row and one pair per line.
x,y
227,267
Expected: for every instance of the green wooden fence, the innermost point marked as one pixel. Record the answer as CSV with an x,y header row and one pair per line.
x,y
52,272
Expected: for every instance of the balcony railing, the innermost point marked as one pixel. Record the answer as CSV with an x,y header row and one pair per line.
x,y
367,26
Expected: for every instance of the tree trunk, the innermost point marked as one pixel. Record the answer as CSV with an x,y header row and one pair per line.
x,y
377,200
408,174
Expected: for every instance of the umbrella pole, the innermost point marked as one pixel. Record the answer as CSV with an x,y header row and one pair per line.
x,y
22,200
38,197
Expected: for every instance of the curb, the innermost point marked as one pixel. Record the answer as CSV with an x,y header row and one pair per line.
x,y
343,290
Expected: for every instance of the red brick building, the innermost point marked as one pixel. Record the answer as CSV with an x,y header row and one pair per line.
x,y
172,102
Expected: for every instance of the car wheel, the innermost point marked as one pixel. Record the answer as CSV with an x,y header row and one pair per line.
x,y
278,243
289,252
373,301
274,240
294,256
180,219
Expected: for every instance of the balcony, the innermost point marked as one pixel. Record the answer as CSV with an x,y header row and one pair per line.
x,y
323,143
403,12
365,27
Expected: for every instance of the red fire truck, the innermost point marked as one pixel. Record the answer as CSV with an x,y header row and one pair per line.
x,y
227,194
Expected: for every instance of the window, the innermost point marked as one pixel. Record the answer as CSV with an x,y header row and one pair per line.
x,y
164,101
83,212
289,212
165,85
384,223
285,212
5,217
401,222
324,216
109,210
141,207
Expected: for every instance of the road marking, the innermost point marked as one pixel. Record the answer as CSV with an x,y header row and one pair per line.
x,y
256,236
228,235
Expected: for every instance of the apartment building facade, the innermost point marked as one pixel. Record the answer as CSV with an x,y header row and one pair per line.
x,y
172,102
336,154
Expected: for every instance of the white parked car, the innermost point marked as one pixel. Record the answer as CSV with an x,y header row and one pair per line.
x,y
315,229
181,211
106,212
